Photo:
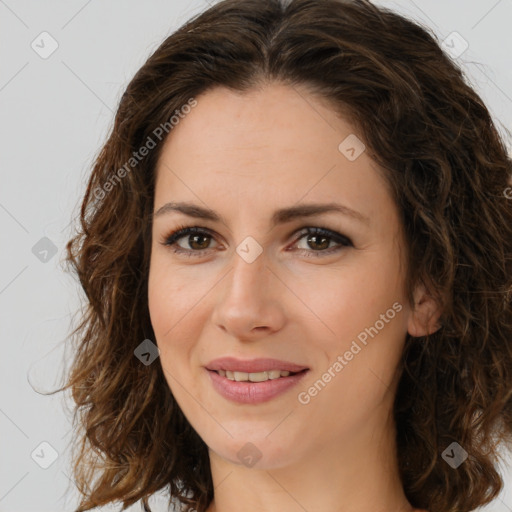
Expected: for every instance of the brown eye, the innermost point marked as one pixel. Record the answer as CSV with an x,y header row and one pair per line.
x,y
198,241
318,241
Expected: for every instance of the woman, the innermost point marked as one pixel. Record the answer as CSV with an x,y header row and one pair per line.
x,y
296,249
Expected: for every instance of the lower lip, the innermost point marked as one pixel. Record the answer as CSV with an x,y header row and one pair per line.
x,y
253,392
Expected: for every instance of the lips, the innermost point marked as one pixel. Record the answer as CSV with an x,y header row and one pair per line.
x,y
253,392
253,381
253,365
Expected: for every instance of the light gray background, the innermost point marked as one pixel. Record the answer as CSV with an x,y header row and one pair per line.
x,y
55,114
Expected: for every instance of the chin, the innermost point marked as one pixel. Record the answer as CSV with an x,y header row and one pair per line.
x,y
257,451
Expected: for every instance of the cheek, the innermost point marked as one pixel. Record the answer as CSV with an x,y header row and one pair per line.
x,y
165,308
357,371
177,312
169,296
365,314
165,312
346,301
159,300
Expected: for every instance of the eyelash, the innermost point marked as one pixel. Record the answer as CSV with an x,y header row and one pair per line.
x,y
172,239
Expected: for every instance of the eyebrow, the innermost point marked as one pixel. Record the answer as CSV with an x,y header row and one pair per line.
x,y
280,216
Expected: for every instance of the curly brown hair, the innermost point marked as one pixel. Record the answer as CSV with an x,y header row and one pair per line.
x,y
448,168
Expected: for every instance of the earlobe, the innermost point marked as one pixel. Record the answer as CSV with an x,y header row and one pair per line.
x,y
424,317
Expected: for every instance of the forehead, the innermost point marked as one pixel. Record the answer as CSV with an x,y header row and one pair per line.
x,y
283,121
276,145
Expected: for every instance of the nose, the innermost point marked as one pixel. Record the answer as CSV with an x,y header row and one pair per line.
x,y
250,301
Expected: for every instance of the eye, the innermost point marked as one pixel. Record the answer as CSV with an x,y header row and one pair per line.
x,y
319,239
198,239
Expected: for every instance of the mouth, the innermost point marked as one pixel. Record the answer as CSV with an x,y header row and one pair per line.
x,y
256,376
254,366
253,381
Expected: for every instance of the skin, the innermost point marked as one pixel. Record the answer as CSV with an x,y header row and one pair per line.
x,y
244,156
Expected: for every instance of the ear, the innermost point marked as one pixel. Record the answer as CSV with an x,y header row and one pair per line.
x,y
424,317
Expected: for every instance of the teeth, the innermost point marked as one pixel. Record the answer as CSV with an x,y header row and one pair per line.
x,y
253,377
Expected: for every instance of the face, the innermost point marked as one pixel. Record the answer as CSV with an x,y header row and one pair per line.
x,y
254,281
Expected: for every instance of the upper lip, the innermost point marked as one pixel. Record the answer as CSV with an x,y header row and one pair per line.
x,y
253,365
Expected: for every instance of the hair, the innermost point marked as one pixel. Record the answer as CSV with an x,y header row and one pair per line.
x,y
448,169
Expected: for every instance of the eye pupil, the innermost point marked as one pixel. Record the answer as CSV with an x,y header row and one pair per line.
x,y
193,240
325,240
